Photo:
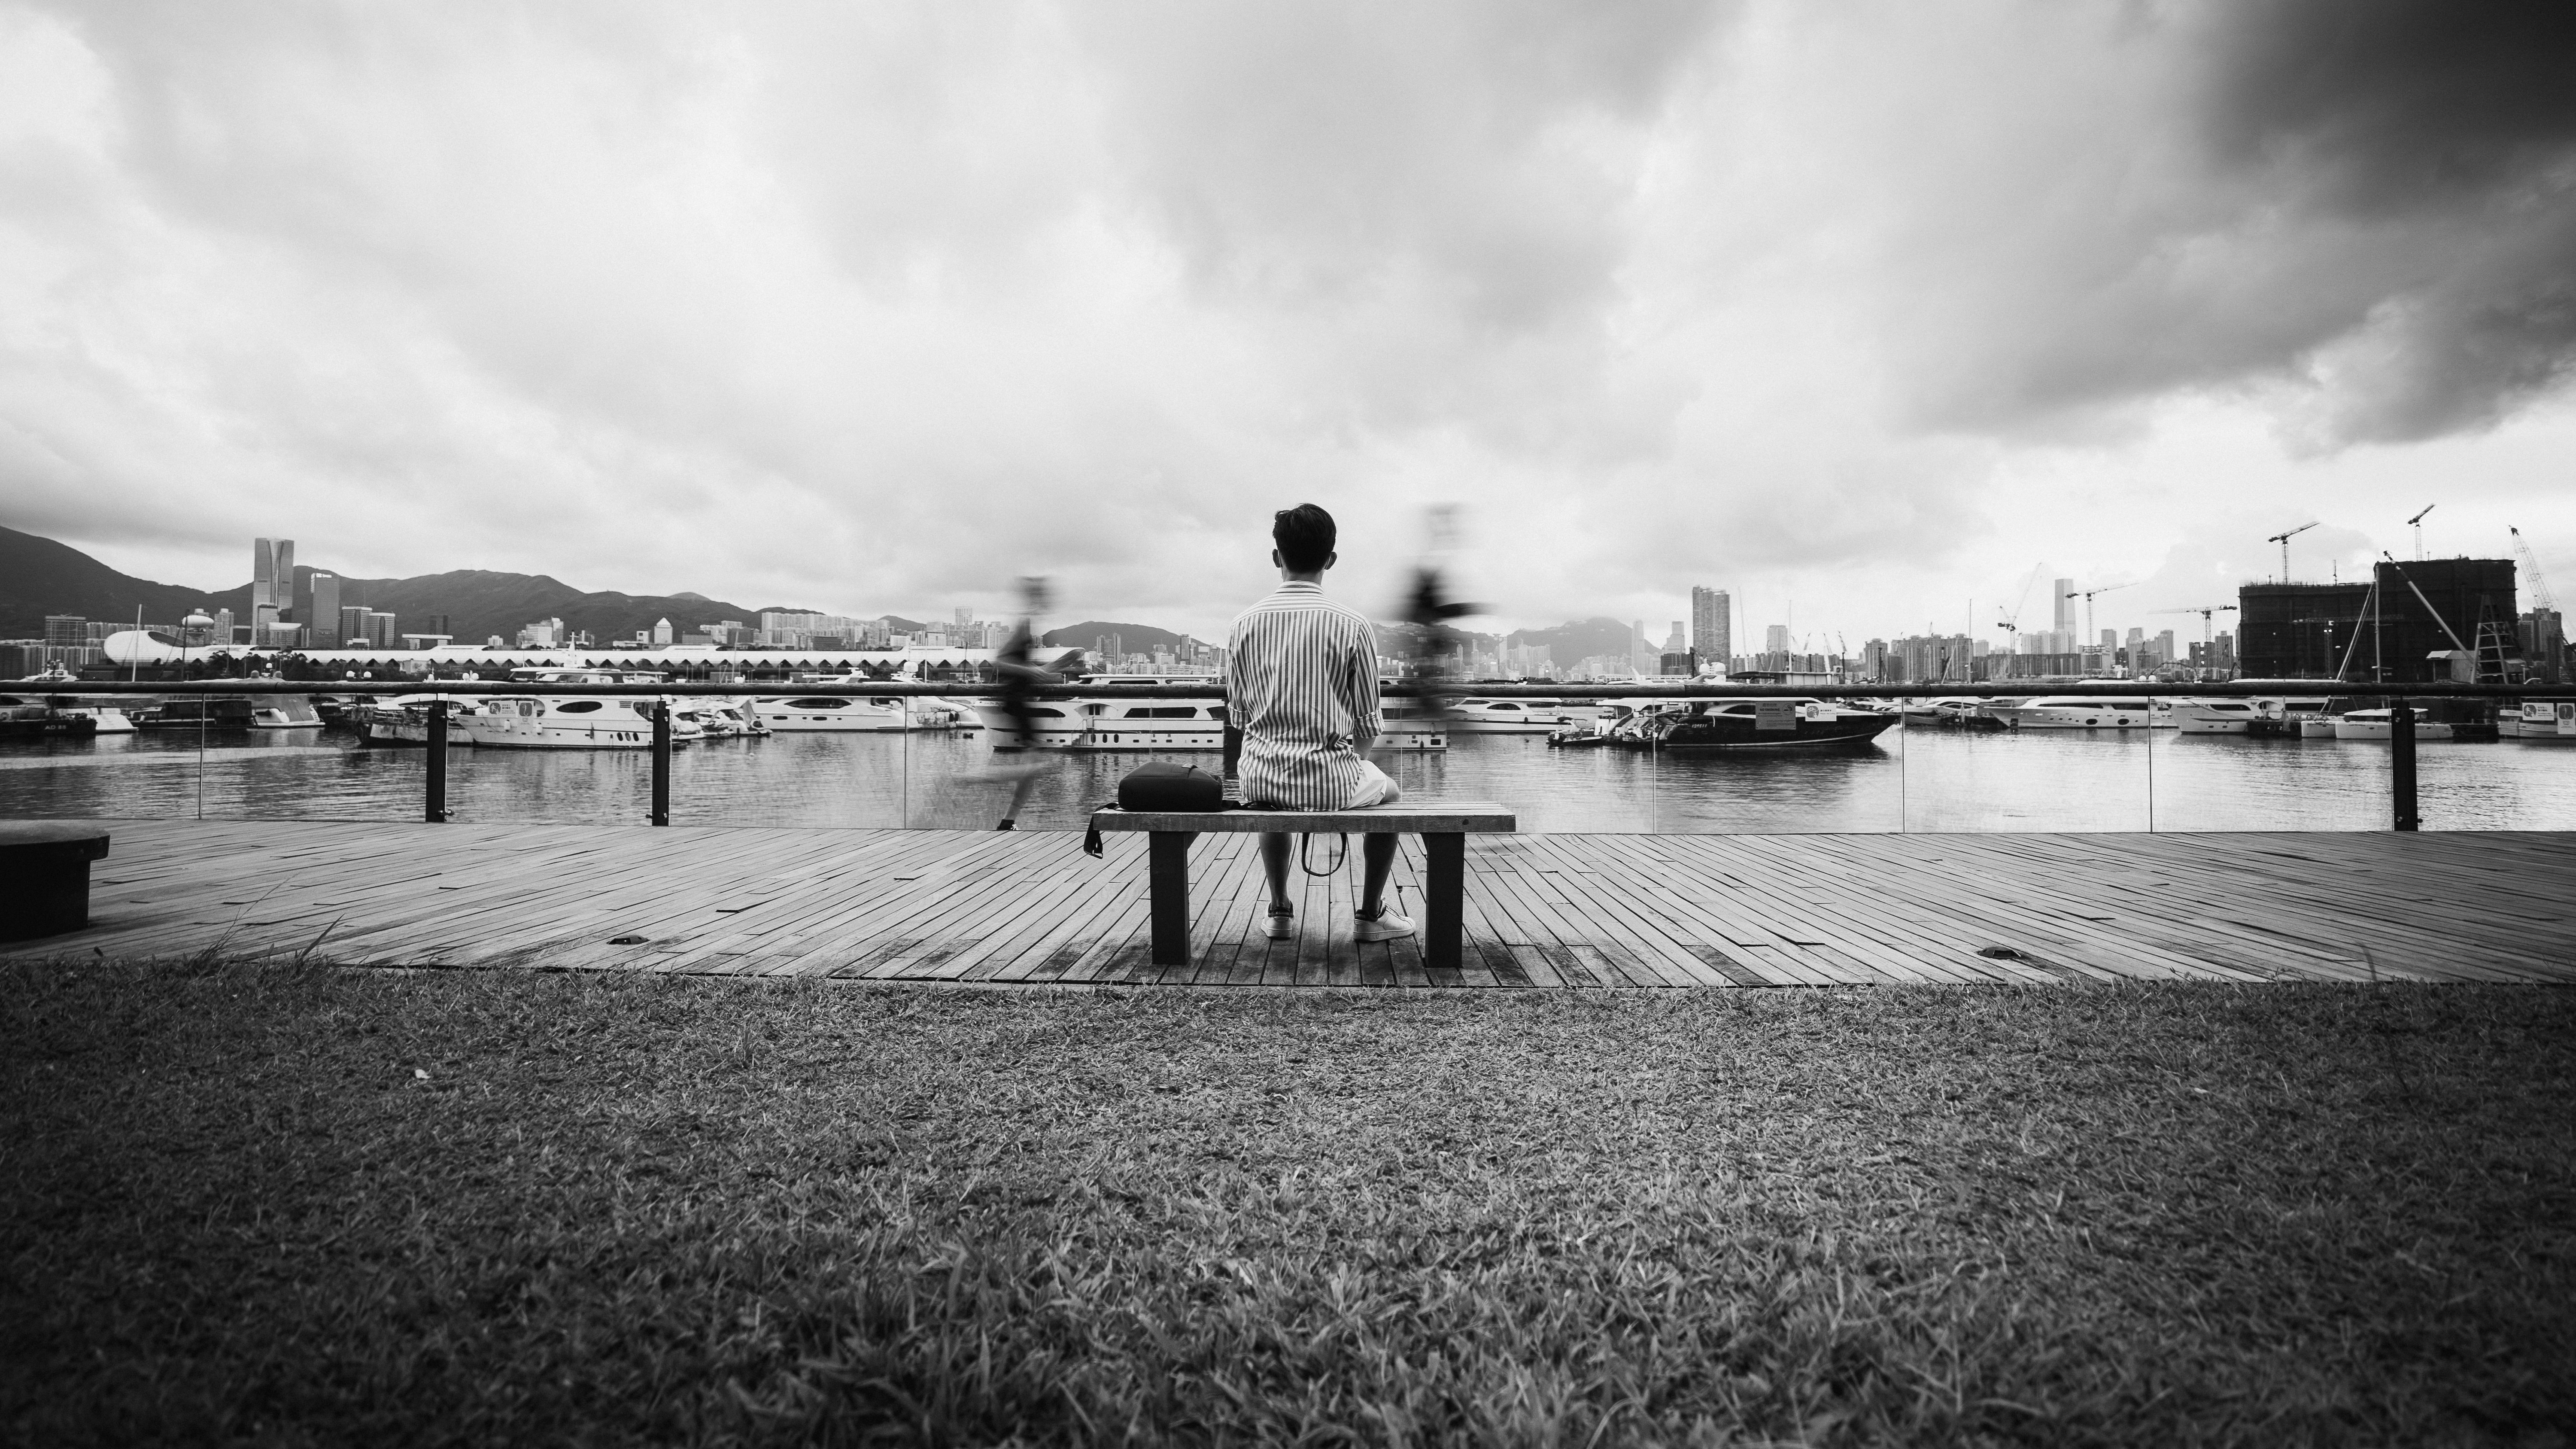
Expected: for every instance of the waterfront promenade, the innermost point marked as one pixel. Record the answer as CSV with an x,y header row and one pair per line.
x,y
1563,911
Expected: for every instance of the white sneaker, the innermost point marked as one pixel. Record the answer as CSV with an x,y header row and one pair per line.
x,y
1389,925
1281,926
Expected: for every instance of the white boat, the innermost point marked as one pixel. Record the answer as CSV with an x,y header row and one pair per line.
x,y
1479,716
723,718
2073,712
570,722
403,719
111,720
1123,725
2317,727
2541,721
2373,724
826,713
2216,716
283,712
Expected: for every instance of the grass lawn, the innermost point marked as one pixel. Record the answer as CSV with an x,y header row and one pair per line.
x,y
294,1205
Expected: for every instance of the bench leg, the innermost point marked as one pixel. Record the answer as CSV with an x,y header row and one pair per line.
x,y
1167,884
47,899
1444,898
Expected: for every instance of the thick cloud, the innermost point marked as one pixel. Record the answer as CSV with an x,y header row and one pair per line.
x,y
877,307
2367,207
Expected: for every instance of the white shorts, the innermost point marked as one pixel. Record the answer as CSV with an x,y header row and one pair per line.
x,y
1376,787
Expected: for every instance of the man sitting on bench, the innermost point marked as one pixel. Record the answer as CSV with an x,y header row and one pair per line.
x,y
1301,712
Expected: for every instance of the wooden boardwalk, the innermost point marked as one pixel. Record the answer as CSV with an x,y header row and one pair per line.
x,y
1542,910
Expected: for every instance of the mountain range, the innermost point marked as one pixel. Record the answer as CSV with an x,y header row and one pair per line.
x,y
39,576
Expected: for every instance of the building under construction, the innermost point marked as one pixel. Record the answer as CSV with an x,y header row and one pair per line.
x,y
2401,628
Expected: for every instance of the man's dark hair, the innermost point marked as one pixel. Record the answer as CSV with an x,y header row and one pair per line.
x,y
1304,535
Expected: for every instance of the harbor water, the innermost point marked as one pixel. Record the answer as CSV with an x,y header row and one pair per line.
x,y
1914,779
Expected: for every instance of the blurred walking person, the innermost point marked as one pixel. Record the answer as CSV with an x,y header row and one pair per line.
x,y
1019,679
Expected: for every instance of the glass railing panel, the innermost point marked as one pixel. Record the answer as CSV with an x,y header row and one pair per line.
x,y
2079,779
2240,782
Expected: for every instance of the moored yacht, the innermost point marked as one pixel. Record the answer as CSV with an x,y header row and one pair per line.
x,y
403,719
560,722
2374,724
1476,715
574,722
1127,725
2541,721
2074,712
869,714
1684,726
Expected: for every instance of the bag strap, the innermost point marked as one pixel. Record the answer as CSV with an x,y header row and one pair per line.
x,y
1341,853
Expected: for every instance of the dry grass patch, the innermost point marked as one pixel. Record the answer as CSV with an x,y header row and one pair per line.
x,y
304,1206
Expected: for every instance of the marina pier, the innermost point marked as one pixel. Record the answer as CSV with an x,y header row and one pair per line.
x,y
1567,911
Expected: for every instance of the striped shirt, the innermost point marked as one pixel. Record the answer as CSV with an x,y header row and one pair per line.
x,y
1301,683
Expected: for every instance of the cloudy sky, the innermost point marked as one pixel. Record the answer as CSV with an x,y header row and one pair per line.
x,y
1865,310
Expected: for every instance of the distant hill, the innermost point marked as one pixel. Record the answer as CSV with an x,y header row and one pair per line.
x,y
1137,638
39,576
1571,644
480,603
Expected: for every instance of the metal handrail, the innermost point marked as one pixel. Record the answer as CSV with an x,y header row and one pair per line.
x,y
1393,689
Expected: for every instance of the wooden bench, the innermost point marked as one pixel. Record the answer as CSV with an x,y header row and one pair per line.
x,y
1443,825
44,877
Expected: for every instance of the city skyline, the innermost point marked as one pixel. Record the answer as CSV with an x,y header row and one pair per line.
x,y
885,310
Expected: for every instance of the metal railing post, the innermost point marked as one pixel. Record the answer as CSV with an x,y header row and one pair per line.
x,y
662,763
434,807
2401,763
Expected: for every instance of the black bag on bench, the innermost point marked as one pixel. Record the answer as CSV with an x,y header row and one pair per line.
x,y
1164,786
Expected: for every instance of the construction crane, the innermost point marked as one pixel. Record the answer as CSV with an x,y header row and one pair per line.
x,y
2087,596
2205,611
2283,539
2539,583
2417,523
2011,623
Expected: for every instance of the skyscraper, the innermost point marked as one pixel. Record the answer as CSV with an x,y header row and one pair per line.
x,y
1775,639
317,608
272,578
2065,592
1712,624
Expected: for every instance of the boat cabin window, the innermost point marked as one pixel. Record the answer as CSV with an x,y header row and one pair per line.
x,y
578,706
1503,704
1039,711
821,703
1163,711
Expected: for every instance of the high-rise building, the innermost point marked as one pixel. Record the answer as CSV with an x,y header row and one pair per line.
x,y
1712,624
67,629
1775,639
272,579
2065,616
2311,631
317,608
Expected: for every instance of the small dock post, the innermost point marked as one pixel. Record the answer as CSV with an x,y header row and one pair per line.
x,y
434,807
2401,762
662,763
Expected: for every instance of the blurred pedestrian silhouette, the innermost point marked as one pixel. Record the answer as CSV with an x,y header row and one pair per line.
x,y
1019,678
